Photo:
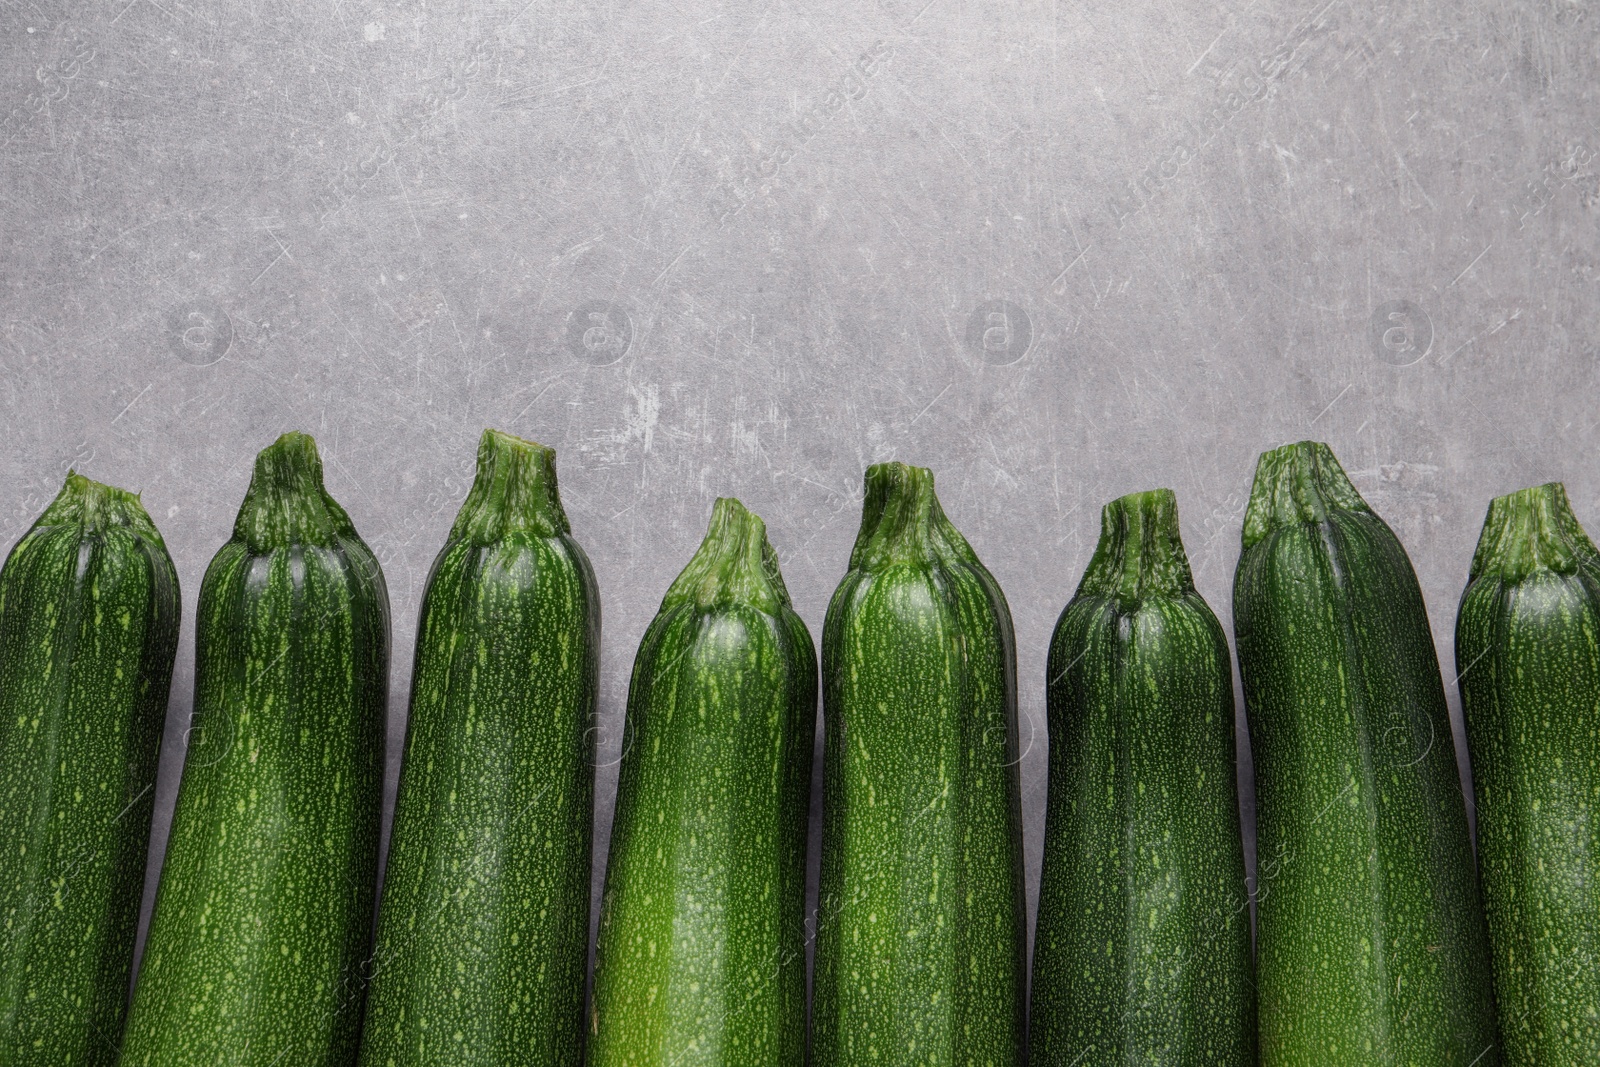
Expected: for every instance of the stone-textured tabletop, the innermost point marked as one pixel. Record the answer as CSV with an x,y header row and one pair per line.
x,y
1056,251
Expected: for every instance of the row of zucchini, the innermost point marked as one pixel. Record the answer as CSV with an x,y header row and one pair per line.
x,y
1372,945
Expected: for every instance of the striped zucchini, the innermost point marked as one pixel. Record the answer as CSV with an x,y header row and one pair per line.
x,y
1528,648
701,958
88,630
483,933
1370,935
1142,952
920,945
264,912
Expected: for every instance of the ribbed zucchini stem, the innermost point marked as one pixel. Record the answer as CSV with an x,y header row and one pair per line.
x,y
902,522
97,507
514,492
286,503
735,564
1298,483
1140,551
1529,530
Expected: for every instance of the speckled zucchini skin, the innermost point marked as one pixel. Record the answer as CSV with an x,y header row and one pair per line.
x,y
89,613
1142,953
483,933
264,913
701,956
1528,651
920,943
1371,945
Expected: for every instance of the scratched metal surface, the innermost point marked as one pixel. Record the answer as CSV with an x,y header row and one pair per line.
x,y
1056,251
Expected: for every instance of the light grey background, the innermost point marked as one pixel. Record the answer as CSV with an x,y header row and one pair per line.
x,y
1057,251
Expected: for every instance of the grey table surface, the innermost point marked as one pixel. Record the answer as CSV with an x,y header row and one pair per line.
x,y
1056,251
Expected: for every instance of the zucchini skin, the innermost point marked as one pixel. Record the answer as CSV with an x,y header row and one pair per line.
x,y
1528,646
484,927
920,947
701,955
264,911
89,611
1142,952
1371,945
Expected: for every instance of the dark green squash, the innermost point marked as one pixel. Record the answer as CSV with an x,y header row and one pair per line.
x,y
701,956
89,612
1371,945
264,913
1528,652
1142,952
484,929
920,943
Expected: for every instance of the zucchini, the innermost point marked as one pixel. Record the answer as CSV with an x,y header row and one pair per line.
x,y
1528,647
701,956
264,911
1142,951
1371,945
88,630
483,933
920,944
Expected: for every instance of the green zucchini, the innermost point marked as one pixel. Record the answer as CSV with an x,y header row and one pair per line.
x,y
264,912
1142,951
920,943
701,956
88,629
1371,945
483,932
1528,649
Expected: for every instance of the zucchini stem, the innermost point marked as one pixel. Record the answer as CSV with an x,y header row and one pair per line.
x,y
286,503
97,507
515,491
902,521
1294,484
1530,530
1140,551
735,564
